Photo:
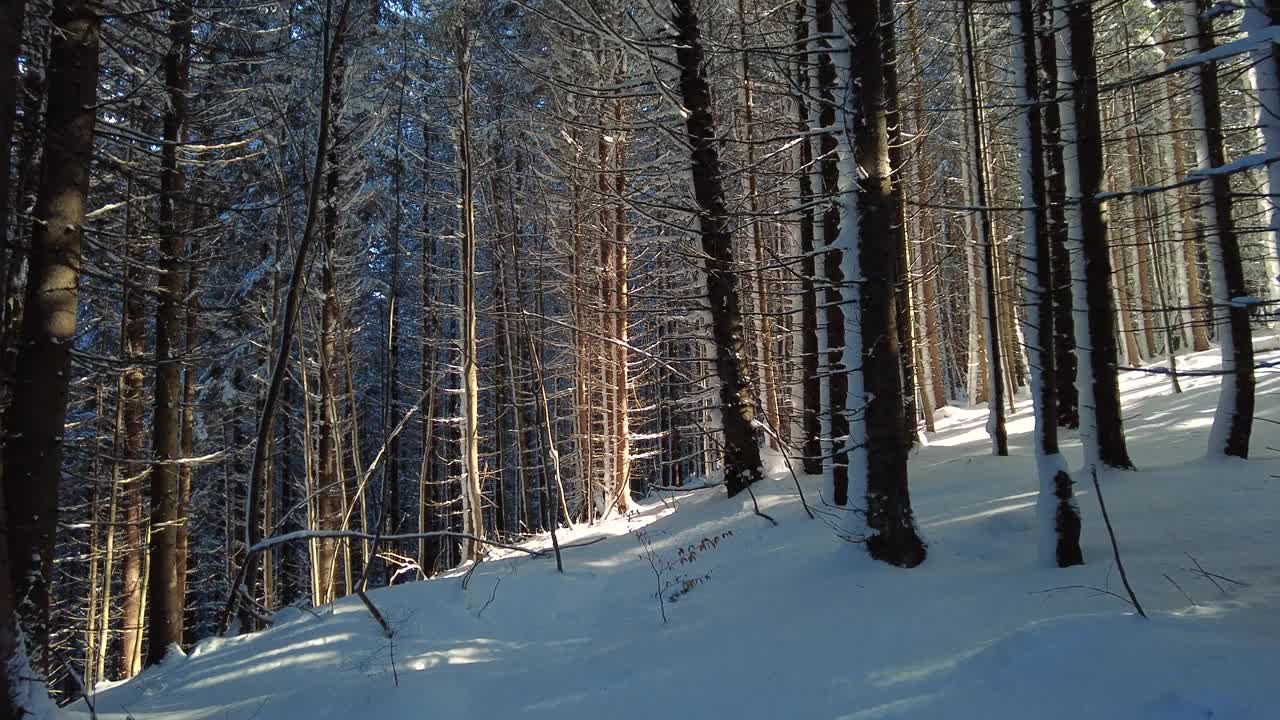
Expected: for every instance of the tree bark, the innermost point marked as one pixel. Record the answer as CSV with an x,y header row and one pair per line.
x,y
737,404
1233,421
990,308
32,466
1058,515
473,519
809,393
869,246
1101,426
1063,342
165,601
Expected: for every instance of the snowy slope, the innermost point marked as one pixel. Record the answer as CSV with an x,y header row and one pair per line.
x,y
794,623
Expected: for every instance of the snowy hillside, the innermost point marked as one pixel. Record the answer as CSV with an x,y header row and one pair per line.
x,y
792,622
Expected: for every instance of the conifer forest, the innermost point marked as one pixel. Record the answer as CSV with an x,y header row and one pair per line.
x,y
305,301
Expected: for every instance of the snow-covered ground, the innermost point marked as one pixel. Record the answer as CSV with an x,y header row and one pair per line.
x,y
794,623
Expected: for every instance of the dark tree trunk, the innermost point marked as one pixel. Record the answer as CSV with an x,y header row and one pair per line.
x,y
32,467
42,360
1038,286
164,589
833,309
810,386
742,451
12,17
1063,342
1096,258
995,376
330,500
1233,422
898,227
892,533
133,411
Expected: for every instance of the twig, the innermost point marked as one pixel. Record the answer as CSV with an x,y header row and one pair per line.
x,y
1184,592
373,610
757,507
555,544
466,578
492,595
1099,590
1115,548
1210,576
592,541
786,457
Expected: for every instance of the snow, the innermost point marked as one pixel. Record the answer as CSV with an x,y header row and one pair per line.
x,y
795,623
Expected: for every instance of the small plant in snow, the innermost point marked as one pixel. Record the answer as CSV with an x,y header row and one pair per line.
x,y
673,588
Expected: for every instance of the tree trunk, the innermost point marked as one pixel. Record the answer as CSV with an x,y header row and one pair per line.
x,y
764,332
1063,341
1101,426
898,227
1233,421
12,18
809,392
1058,515
1259,16
831,341
990,309
870,252
473,520
165,601
37,411
737,406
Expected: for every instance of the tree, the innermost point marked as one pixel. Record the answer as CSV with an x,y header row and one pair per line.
x,y
1234,419
32,467
867,212
164,587
1101,426
986,239
737,401
1058,515
472,518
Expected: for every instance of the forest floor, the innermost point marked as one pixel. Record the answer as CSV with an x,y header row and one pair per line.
x,y
793,622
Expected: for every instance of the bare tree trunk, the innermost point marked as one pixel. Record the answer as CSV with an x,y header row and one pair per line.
x,y
1233,421
809,394
12,18
764,334
473,520
737,406
165,599
870,251
1101,426
36,414
621,407
903,299
1063,340
831,342
1058,514
990,309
